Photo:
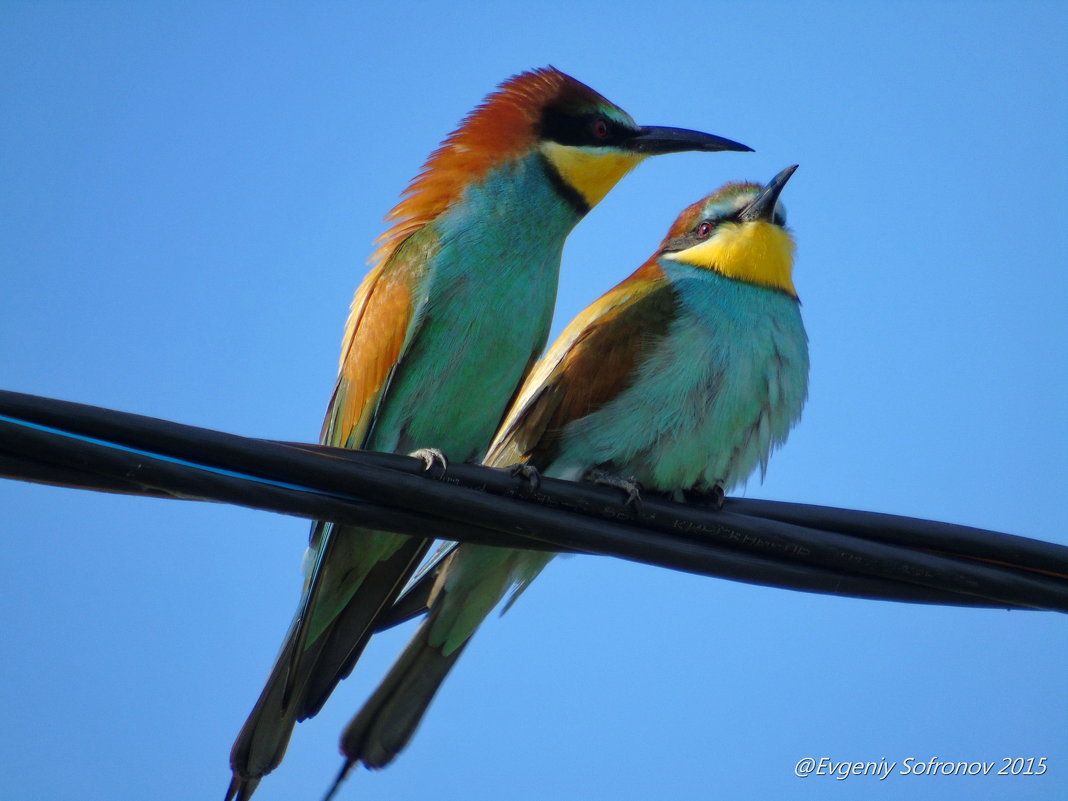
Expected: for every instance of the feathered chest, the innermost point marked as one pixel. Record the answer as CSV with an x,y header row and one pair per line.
x,y
712,397
482,306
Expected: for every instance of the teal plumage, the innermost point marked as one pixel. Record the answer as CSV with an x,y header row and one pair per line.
x,y
685,377
721,388
446,397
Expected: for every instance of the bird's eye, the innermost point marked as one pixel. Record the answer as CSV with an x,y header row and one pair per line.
x,y
600,129
704,229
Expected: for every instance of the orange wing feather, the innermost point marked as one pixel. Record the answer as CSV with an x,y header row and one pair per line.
x,y
374,339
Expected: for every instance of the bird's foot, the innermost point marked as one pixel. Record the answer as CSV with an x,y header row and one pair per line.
x,y
531,478
712,497
430,457
628,485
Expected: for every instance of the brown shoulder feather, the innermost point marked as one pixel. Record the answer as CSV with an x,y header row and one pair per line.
x,y
592,362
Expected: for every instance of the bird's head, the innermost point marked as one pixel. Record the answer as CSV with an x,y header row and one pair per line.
x,y
588,142
738,231
591,143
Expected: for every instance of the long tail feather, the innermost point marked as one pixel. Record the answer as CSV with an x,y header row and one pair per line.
x,y
241,789
288,698
386,723
351,631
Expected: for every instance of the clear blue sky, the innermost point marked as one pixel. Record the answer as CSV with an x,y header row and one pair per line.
x,y
187,199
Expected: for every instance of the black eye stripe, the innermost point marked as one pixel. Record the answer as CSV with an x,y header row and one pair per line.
x,y
697,233
714,223
581,128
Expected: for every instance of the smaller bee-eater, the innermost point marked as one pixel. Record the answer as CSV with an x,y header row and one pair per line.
x,y
683,377
442,331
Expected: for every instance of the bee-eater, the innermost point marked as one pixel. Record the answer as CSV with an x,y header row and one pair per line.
x,y
442,330
684,377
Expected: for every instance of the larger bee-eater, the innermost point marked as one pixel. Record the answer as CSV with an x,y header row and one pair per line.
x,y
442,331
685,376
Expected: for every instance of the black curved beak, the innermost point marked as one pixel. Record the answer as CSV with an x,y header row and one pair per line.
x,y
654,140
763,205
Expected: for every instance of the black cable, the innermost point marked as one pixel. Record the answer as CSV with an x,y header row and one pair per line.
x,y
835,551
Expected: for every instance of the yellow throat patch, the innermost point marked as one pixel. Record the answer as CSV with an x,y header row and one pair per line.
x,y
755,252
591,171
